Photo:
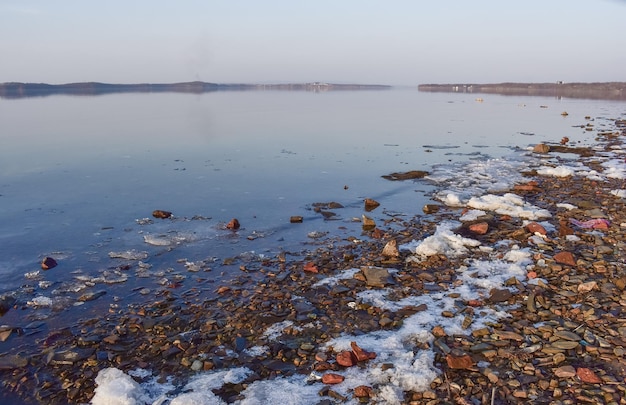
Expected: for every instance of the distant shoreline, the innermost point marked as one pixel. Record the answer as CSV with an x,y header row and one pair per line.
x,y
600,91
19,90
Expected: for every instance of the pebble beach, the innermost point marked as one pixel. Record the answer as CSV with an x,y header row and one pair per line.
x,y
527,286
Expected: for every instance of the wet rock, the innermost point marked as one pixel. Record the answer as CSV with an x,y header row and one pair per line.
x,y
368,223
233,224
5,332
48,263
370,204
376,276
90,296
390,250
161,214
296,219
431,208
6,302
413,174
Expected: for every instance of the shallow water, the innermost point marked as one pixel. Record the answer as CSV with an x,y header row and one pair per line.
x,y
77,173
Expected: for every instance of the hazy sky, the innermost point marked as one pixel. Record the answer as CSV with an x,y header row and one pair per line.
x,y
340,41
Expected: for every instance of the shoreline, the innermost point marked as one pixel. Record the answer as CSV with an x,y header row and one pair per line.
x,y
593,91
563,342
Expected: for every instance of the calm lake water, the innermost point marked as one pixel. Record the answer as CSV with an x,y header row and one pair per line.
x,y
78,174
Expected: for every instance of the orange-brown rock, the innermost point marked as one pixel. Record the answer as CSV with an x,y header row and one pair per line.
x,y
311,267
459,362
161,214
346,358
479,228
233,224
564,229
588,376
363,391
565,258
534,227
332,378
438,332
360,354
371,204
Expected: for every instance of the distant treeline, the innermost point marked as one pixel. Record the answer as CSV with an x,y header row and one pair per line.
x,y
18,90
603,91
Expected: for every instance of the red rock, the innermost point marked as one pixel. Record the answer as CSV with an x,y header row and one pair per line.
x,y
479,228
311,267
332,378
48,263
531,275
363,391
346,358
505,217
360,354
233,224
459,362
588,376
565,258
475,303
534,227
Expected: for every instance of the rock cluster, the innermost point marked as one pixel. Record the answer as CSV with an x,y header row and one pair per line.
x,y
564,342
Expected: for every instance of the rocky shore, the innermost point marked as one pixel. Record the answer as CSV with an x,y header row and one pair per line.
x,y
564,341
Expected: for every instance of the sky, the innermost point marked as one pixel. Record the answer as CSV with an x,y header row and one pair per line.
x,y
403,42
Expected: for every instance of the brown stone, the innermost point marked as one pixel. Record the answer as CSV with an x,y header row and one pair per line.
x,y
541,148
233,224
311,267
438,332
363,391
430,208
371,204
479,228
459,362
161,214
499,295
346,358
48,263
391,249
534,228
360,354
565,258
565,372
332,378
296,219
588,376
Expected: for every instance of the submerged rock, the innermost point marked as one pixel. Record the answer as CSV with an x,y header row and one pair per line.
x,y
48,263
413,174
